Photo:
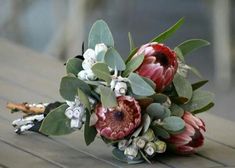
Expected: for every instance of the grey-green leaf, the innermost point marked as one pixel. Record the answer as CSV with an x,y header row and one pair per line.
x,y
182,86
200,100
133,64
56,123
89,131
146,121
69,86
139,86
173,124
156,111
84,99
114,60
158,131
100,33
74,65
163,36
199,84
190,45
131,42
176,110
108,98
101,70
195,72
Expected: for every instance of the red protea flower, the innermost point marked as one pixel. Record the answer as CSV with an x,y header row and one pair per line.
x,y
160,64
192,137
118,122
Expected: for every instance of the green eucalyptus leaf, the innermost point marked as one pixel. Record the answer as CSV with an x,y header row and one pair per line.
x,y
173,124
167,112
100,33
200,100
74,65
137,131
195,72
56,123
179,54
190,45
131,55
100,56
207,107
114,60
69,86
199,84
146,121
144,157
176,110
108,98
155,110
133,64
159,98
84,99
150,82
101,70
163,36
160,132
131,42
182,86
139,86
89,131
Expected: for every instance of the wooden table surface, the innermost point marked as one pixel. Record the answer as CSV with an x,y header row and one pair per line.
x,y
28,76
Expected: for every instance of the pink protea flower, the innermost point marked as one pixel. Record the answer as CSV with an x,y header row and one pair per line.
x,y
116,123
160,64
191,138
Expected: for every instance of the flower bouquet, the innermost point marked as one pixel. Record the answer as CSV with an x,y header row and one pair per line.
x,y
142,106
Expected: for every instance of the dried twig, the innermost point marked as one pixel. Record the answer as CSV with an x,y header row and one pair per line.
x,y
27,108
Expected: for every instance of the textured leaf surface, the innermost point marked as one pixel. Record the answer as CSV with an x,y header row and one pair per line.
x,y
100,33
56,123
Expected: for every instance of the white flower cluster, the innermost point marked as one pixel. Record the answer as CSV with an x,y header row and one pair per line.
x,y
119,85
90,58
76,113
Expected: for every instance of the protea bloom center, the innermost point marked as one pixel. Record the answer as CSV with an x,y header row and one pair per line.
x,y
160,64
118,122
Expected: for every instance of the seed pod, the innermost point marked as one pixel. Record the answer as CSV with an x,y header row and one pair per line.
x,y
140,142
150,148
131,151
161,146
122,145
120,89
149,135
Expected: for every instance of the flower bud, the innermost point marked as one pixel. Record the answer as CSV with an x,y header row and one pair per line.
x,y
101,47
120,88
149,135
131,151
122,145
150,148
140,142
161,146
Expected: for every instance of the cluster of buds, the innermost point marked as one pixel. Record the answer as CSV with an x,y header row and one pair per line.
x,y
119,85
147,143
76,113
90,58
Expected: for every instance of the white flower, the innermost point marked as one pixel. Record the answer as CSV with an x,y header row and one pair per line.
x,y
119,85
90,58
76,113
